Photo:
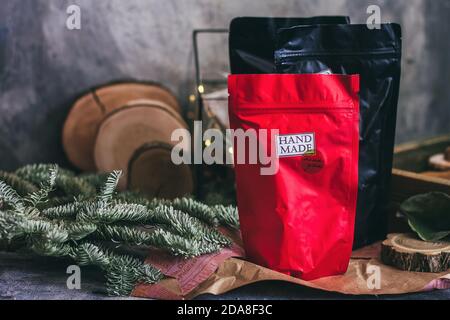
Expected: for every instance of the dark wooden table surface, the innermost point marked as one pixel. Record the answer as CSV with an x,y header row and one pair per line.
x,y
25,276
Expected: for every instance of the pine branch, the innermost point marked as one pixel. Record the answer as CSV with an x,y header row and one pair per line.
x,y
121,278
122,234
90,254
180,246
133,197
43,237
98,213
186,226
41,229
212,215
49,248
58,201
41,195
158,238
63,230
186,205
9,196
66,181
109,187
122,272
65,211
173,220
9,224
96,180
77,230
37,173
74,186
227,215
51,237
30,213
195,209
21,186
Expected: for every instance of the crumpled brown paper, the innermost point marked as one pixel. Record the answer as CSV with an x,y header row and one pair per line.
x,y
220,272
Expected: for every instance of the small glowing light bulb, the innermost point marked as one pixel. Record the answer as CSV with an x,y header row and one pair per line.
x,y
201,88
207,142
192,98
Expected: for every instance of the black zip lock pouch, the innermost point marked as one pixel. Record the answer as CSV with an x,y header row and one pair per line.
x,y
374,55
252,40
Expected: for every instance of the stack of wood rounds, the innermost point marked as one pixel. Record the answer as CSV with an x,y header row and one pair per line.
x,y
128,126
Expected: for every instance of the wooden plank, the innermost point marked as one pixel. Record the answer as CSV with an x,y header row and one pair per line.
x,y
413,156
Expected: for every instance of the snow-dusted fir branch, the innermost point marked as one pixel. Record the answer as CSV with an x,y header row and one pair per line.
x,y
59,214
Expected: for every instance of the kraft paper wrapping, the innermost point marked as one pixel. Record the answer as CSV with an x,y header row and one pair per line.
x,y
223,271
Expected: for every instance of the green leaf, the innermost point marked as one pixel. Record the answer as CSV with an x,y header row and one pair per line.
x,y
428,215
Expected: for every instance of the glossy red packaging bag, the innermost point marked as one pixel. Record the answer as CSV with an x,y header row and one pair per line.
x,y
299,217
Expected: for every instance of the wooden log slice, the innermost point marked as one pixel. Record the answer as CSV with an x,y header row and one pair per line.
x,y
152,172
116,95
125,130
407,252
79,131
154,103
86,114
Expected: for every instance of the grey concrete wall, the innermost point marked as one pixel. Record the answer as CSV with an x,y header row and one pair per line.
x,y
44,66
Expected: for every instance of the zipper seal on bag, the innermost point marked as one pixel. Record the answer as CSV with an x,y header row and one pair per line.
x,y
285,55
304,107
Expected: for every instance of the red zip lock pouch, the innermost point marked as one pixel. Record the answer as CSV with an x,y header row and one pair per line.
x,y
299,218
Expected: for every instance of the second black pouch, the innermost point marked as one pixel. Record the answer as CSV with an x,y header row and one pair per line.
x,y
375,56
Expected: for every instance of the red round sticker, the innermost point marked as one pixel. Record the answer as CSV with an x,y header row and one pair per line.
x,y
312,163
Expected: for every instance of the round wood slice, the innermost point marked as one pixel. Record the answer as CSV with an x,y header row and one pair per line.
x,y
152,172
125,130
79,132
116,95
407,252
88,111
151,102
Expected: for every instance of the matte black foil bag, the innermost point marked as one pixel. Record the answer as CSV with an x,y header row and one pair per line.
x,y
374,55
252,40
